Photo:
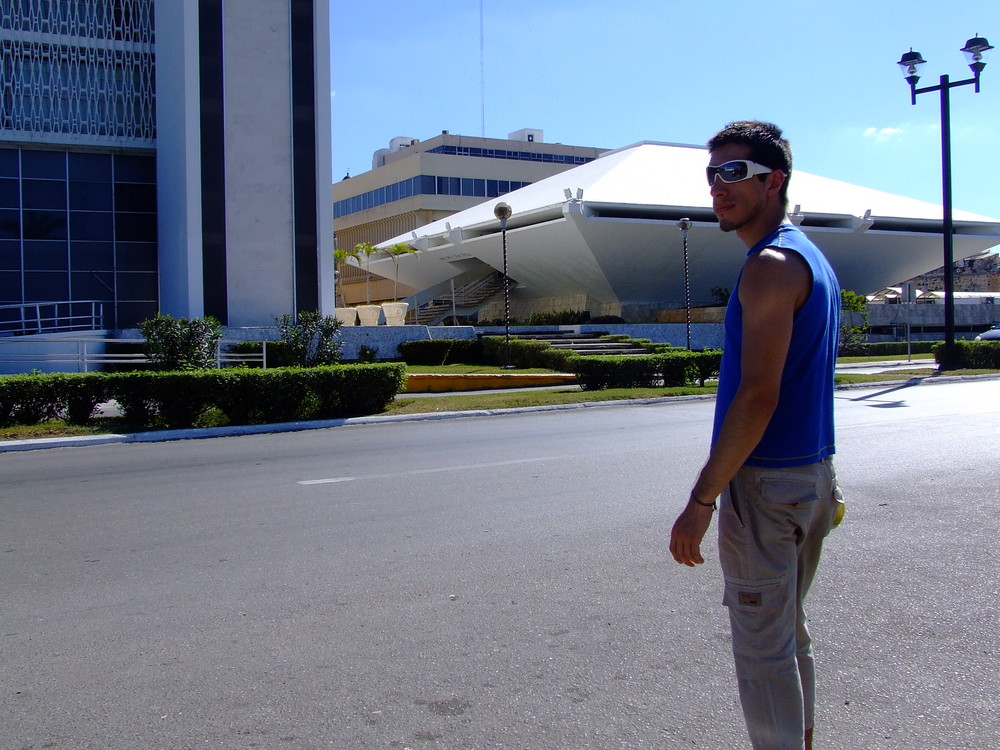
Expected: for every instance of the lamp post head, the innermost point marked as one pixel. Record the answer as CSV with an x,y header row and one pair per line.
x,y
911,62
502,211
974,49
684,224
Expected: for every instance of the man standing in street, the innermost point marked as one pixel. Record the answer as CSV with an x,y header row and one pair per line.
x,y
773,436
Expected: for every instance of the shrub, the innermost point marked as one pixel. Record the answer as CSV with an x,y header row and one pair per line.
x,y
972,355
80,393
27,399
369,388
311,338
188,398
465,352
707,364
431,352
667,370
525,353
182,344
885,348
136,394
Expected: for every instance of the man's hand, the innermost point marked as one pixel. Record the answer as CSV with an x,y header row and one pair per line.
x,y
689,529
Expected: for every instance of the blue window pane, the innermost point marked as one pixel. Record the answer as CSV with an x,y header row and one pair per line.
x,y
135,198
10,255
427,184
442,185
467,186
46,165
479,188
44,194
135,168
135,227
40,255
46,286
9,163
10,225
136,256
91,225
93,285
454,186
10,287
503,186
10,193
492,189
136,286
92,256
90,167
92,196
43,225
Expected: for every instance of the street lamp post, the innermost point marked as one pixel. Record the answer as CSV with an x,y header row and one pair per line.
x,y
503,211
685,225
911,62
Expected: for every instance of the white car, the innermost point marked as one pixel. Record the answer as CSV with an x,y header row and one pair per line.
x,y
991,335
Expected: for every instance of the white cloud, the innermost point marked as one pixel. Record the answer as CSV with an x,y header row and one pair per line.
x,y
881,134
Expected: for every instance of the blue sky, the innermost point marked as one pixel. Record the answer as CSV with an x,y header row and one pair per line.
x,y
608,74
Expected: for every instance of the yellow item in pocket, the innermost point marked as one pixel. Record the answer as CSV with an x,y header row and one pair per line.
x,y
838,516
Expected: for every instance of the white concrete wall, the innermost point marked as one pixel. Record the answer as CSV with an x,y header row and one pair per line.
x,y
324,159
178,161
259,241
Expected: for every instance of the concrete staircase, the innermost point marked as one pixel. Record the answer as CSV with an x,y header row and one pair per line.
x,y
468,299
585,343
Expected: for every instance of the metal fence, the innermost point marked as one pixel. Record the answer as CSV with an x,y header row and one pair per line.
x,y
85,354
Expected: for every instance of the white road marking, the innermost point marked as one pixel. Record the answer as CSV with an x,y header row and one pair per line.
x,y
435,470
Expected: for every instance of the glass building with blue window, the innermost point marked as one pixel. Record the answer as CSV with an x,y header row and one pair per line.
x,y
413,183
125,126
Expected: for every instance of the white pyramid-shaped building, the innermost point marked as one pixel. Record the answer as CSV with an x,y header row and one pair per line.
x,y
608,230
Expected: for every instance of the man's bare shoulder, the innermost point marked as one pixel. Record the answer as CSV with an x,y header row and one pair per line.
x,y
776,270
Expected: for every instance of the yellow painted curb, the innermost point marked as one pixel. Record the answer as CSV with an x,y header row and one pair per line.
x,y
421,383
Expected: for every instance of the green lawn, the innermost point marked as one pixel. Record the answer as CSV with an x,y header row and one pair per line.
x,y
477,401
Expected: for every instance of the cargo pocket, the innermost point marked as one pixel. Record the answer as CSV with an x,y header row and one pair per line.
x,y
762,595
786,490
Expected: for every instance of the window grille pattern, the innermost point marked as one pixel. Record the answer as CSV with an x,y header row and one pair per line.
x,y
83,68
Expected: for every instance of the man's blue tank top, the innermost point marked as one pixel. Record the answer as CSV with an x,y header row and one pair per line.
x,y
801,430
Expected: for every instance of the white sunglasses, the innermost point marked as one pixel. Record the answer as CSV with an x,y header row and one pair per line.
x,y
736,171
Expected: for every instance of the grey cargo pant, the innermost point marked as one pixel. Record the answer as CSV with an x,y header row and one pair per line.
x,y
772,523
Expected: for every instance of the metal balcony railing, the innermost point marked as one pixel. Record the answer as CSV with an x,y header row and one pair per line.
x,y
51,317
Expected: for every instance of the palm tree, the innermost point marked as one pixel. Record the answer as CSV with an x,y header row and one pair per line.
x,y
340,258
394,252
366,249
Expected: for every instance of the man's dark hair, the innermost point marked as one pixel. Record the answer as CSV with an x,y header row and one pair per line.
x,y
765,145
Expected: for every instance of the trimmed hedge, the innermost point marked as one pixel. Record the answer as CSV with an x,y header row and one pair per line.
x,y
436,352
972,355
886,348
526,353
666,370
185,399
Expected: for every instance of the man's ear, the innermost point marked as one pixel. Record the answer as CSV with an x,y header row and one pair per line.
x,y
775,180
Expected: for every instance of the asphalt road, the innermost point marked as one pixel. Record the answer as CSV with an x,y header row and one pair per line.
x,y
491,582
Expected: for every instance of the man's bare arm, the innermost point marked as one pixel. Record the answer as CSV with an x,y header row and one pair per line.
x,y
773,287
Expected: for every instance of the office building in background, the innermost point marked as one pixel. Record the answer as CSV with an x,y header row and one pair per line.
x,y
166,155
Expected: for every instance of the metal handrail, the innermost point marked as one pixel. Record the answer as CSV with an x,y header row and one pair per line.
x,y
51,317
